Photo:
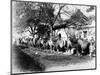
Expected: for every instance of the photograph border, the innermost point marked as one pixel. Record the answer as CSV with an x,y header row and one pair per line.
x,y
51,3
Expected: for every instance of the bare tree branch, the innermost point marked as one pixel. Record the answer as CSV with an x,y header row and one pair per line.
x,y
58,14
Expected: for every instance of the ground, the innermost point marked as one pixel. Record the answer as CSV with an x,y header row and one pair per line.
x,y
28,60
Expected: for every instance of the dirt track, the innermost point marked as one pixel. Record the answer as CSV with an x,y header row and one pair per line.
x,y
23,62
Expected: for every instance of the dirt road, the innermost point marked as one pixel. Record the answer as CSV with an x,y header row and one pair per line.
x,y
23,63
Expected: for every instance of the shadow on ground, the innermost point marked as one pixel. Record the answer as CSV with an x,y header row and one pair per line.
x,y
24,62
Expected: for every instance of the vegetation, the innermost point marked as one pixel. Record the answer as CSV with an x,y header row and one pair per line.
x,y
40,18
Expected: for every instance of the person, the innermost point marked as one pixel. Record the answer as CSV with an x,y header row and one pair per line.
x,y
60,44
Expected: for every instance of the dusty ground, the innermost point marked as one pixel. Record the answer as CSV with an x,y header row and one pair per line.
x,y
33,62
68,63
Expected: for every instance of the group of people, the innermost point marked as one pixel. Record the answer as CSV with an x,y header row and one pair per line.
x,y
78,45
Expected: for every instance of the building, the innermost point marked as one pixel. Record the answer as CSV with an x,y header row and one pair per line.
x,y
88,31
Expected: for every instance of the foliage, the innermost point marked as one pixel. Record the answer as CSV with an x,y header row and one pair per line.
x,y
39,18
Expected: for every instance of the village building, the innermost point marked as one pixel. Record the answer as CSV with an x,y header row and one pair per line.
x,y
79,25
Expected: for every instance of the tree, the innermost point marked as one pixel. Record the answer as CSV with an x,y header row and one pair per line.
x,y
39,18
27,17
31,15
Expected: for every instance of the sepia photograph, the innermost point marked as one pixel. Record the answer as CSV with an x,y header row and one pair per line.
x,y
52,37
